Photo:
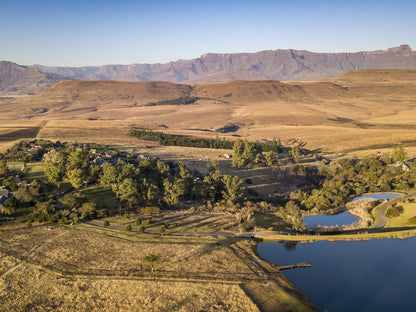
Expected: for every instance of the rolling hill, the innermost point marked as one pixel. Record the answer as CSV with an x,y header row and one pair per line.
x,y
360,109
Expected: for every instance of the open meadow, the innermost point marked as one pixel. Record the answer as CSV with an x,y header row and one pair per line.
x,y
91,268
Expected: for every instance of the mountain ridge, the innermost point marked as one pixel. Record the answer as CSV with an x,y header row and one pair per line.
x,y
285,65
281,65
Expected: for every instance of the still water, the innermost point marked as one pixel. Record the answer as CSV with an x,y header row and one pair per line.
x,y
377,196
375,275
340,219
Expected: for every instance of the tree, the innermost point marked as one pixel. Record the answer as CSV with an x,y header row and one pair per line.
x,y
54,166
232,188
148,191
184,180
162,230
109,177
294,216
128,190
4,170
294,154
270,158
212,184
172,192
399,154
23,195
87,210
151,258
76,177
243,153
10,205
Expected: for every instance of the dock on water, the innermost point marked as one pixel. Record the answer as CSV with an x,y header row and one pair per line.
x,y
303,264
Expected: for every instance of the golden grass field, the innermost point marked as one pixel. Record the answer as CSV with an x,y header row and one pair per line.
x,y
90,268
368,110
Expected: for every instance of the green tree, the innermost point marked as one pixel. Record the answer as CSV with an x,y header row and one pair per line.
x,y
128,190
151,259
54,166
172,193
212,185
162,230
109,177
184,180
243,153
232,186
399,154
270,158
76,177
87,210
4,170
10,205
294,216
294,154
23,195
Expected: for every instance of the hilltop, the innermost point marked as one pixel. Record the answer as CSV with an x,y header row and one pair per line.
x,y
22,80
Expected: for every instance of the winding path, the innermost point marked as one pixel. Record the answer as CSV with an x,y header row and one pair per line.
x,y
381,220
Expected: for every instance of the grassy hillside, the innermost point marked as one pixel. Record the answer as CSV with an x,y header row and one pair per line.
x,y
369,109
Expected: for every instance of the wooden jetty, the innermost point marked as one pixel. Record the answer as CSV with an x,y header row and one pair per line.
x,y
303,264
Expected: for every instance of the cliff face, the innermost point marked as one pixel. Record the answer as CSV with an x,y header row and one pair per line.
x,y
285,65
277,65
21,80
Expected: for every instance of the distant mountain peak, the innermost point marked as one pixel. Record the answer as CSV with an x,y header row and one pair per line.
x,y
401,48
289,64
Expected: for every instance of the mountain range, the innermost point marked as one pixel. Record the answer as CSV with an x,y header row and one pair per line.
x,y
283,65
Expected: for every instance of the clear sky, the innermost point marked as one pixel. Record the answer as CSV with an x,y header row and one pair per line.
x,y
98,32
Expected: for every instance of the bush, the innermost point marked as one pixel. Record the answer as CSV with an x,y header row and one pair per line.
x,y
128,228
141,229
394,211
412,220
106,223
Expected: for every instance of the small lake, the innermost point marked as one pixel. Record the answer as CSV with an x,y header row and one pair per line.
x,y
384,196
375,275
339,219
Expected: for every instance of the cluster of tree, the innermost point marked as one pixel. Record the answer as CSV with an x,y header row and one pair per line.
x,y
71,164
166,139
217,143
217,187
28,151
185,100
151,182
335,183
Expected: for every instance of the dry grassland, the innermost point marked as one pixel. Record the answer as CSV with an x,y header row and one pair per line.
x,y
368,110
87,268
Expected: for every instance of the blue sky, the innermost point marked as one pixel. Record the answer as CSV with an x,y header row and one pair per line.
x,y
98,32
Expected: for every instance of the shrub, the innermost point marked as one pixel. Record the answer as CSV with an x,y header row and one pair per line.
x,y
394,211
106,223
128,228
412,220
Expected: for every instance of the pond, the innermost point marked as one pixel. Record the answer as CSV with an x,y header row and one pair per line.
x,y
384,196
374,275
340,219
